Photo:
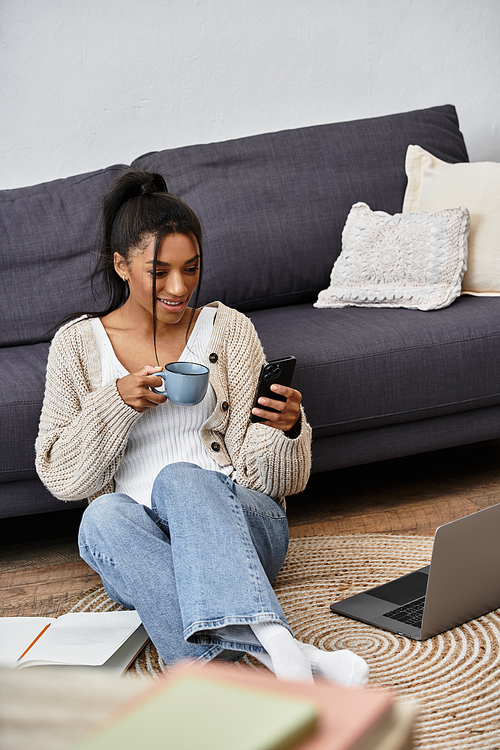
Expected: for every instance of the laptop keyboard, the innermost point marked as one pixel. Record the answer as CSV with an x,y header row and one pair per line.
x,y
411,613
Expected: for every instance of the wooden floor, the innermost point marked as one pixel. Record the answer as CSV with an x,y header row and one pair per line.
x,y
40,570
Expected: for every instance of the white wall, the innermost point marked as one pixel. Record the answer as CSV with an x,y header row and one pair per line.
x,y
88,83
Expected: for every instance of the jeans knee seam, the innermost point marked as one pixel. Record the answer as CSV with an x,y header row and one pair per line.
x,y
251,512
101,558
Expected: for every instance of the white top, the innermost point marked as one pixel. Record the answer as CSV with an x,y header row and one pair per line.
x,y
166,433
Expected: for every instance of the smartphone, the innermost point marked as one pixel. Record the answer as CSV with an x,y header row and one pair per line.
x,y
277,371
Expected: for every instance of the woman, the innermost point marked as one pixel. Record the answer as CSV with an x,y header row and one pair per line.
x,y
189,526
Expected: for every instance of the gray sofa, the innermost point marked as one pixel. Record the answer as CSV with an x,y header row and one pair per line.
x,y
377,383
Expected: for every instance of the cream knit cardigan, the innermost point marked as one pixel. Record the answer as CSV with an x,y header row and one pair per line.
x,y
84,425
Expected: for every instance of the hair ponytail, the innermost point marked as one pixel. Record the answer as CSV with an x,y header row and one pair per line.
x,y
139,205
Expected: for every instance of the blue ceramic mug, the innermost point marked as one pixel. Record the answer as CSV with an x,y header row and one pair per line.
x,y
186,383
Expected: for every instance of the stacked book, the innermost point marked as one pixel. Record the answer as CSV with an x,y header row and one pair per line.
x,y
228,707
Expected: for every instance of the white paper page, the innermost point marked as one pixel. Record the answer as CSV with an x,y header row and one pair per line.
x,y
16,634
84,638
116,664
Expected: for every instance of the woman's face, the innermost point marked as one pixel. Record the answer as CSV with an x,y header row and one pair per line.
x,y
177,275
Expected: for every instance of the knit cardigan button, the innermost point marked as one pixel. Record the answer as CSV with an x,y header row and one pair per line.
x,y
216,447
224,406
213,358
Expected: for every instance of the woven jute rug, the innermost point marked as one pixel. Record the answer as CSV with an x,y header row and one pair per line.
x,y
454,677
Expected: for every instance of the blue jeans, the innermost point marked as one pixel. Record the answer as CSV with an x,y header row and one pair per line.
x,y
197,566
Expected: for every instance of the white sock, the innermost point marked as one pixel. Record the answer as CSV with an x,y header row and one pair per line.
x,y
288,660
344,666
264,659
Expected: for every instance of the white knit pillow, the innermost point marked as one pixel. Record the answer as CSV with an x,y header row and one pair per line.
x,y
414,260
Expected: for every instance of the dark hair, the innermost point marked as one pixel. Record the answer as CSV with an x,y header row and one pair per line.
x,y
138,205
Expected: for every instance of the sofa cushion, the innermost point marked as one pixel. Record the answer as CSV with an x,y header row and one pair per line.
x,y
273,206
49,233
29,496
434,184
368,367
22,386
415,260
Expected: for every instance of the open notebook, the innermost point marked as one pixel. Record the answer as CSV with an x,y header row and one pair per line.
x,y
109,640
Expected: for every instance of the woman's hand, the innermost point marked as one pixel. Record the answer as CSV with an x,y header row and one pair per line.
x,y
288,411
135,389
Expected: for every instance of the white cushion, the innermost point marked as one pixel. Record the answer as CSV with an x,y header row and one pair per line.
x,y
434,184
412,260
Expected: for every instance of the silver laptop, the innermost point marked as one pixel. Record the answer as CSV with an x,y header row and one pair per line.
x,y
461,583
